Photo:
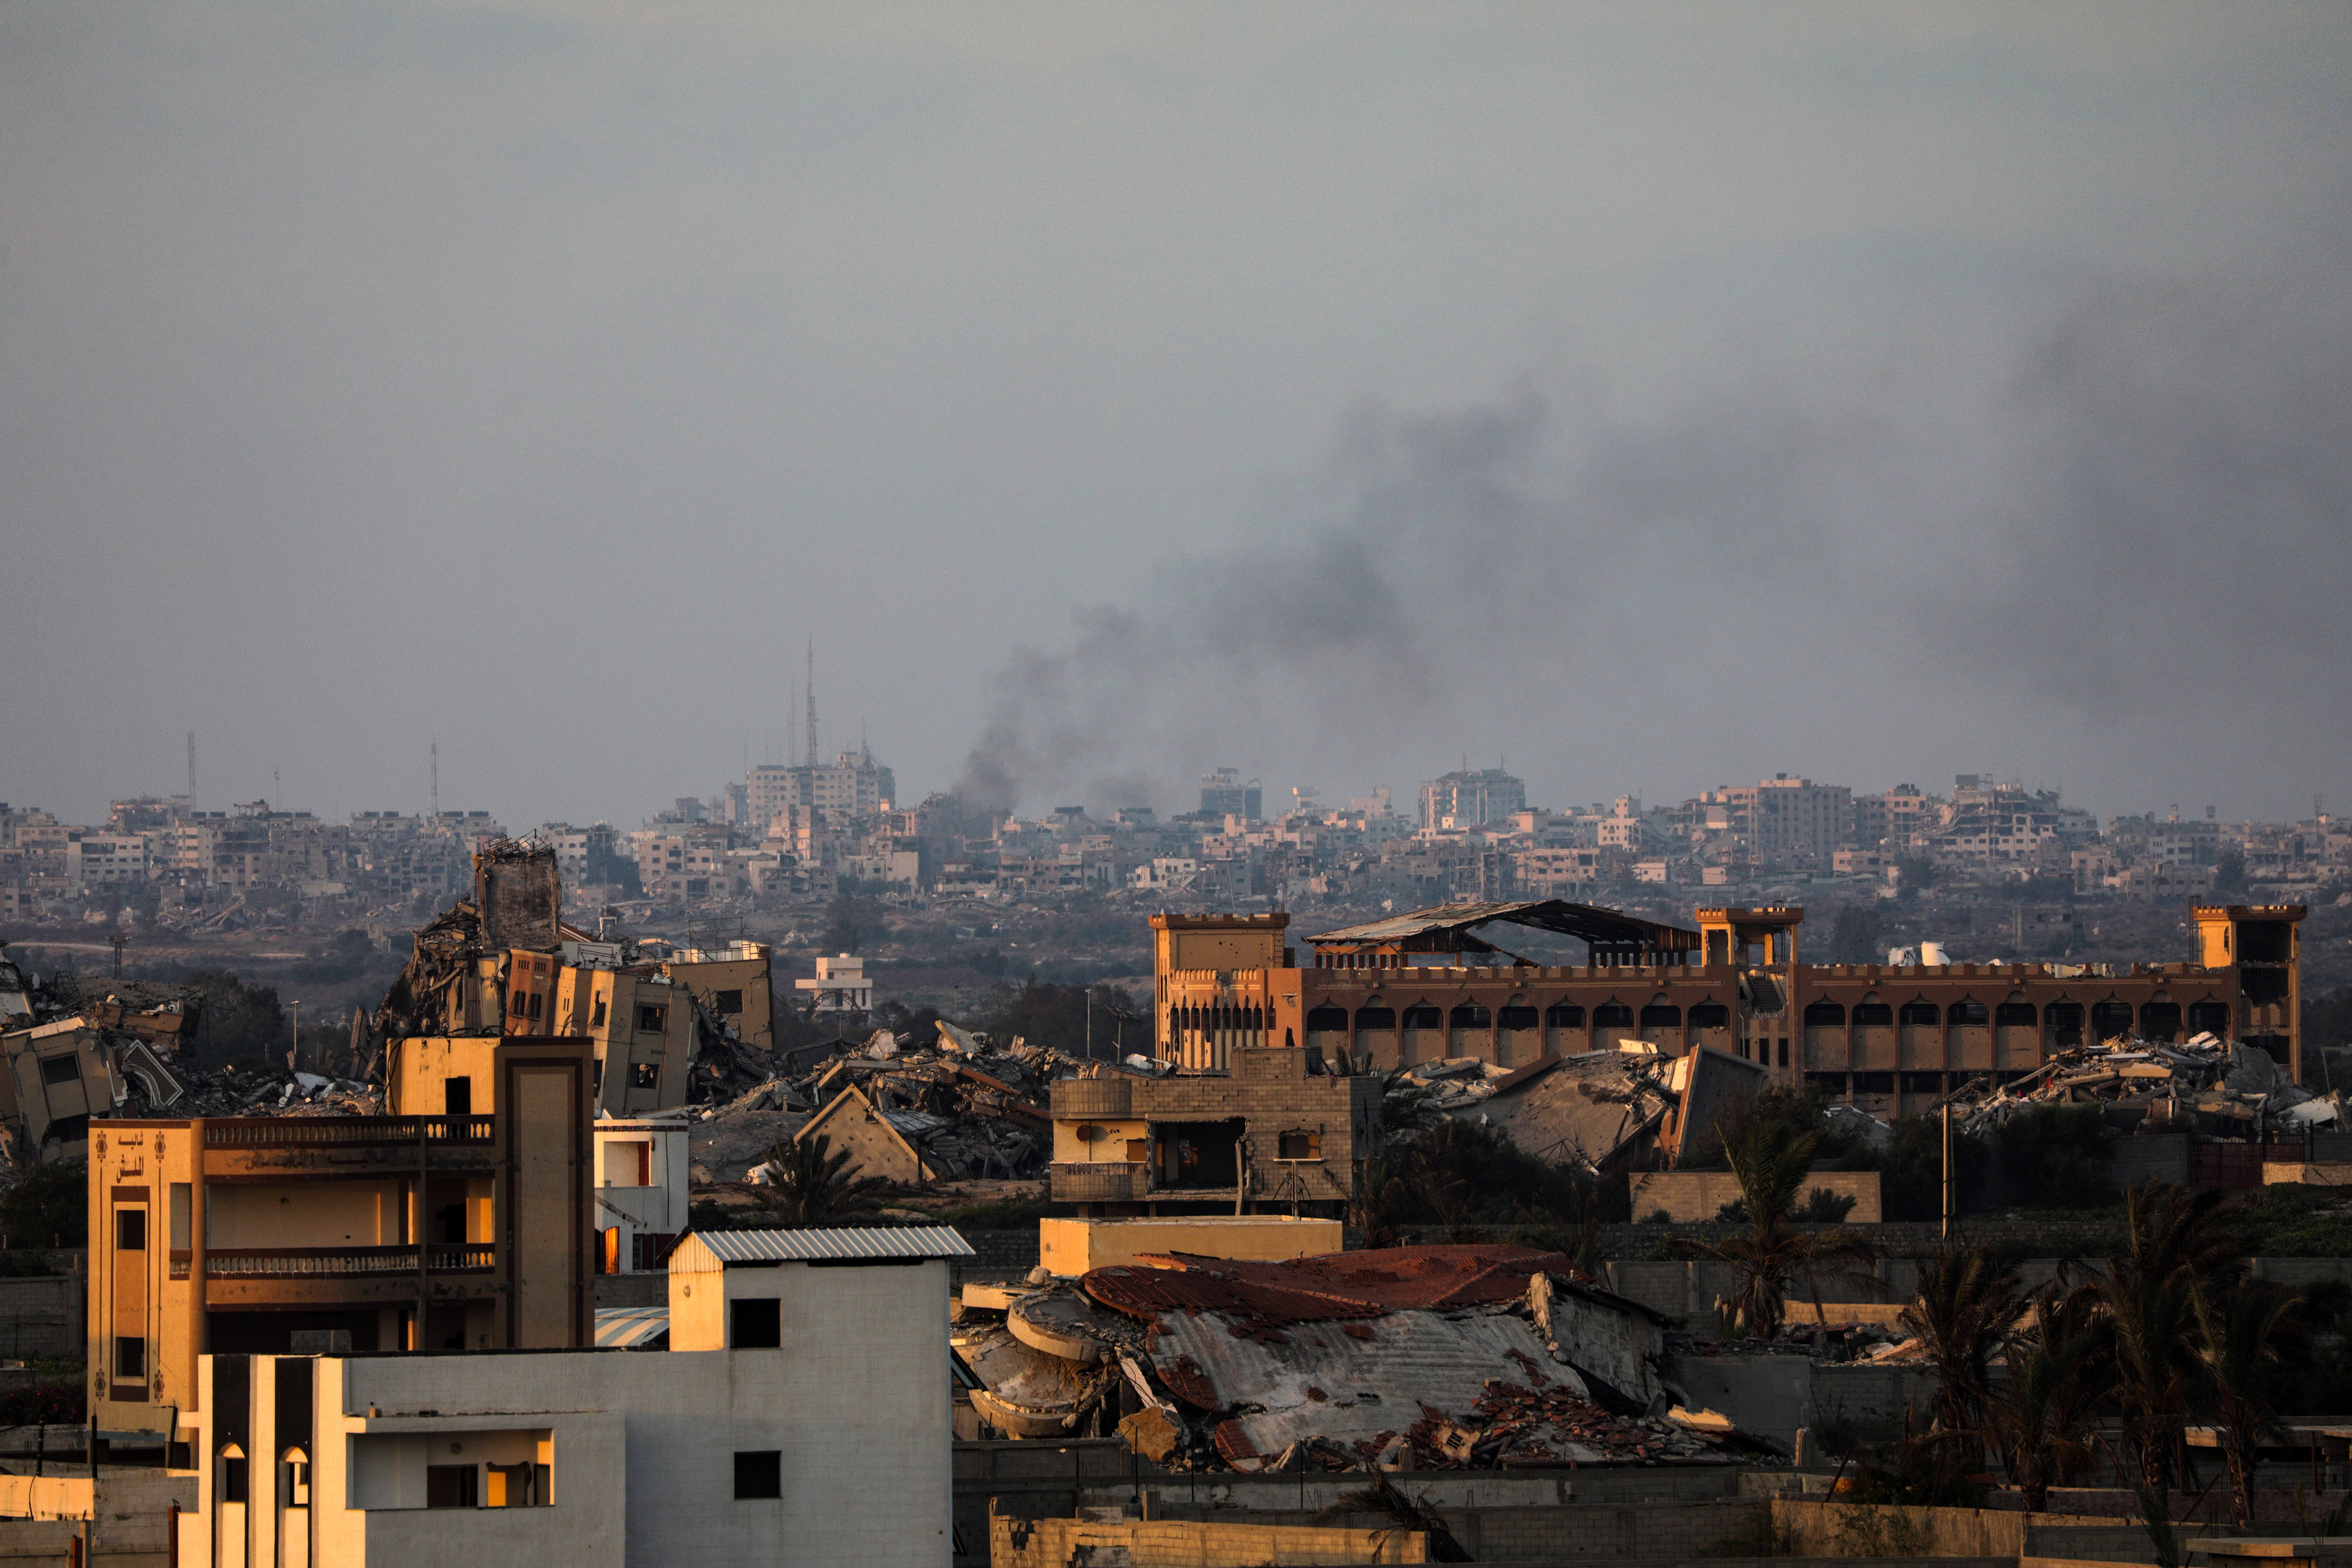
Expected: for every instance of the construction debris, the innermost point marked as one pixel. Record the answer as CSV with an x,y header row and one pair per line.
x,y
1598,1111
2206,1086
1439,1357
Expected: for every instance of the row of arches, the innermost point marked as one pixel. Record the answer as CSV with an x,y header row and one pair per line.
x,y
1205,1036
2063,1021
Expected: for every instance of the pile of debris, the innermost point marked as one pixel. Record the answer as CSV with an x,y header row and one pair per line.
x,y
1596,1112
2206,1086
1443,1357
966,1108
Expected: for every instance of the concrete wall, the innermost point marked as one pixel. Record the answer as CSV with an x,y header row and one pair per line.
x,y
1771,1395
44,1318
1168,1544
1822,1528
1699,1195
1071,1246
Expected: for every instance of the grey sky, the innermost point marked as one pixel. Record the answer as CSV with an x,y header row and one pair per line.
x,y
1660,396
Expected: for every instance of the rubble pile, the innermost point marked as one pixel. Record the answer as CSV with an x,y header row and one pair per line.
x,y
971,1109
2205,1085
1443,1357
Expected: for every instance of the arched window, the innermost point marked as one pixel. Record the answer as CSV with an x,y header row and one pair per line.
x,y
1967,1013
2110,1019
1918,1014
1710,1016
1825,1015
1470,1015
1612,1015
1515,1013
2160,1020
2208,1017
2014,1015
1872,1016
1423,1015
1327,1019
1373,1016
1563,1016
1662,1016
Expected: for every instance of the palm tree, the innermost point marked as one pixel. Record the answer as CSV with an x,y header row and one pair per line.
x,y
2173,1250
1969,1301
2040,1422
1772,1255
810,1184
2240,1331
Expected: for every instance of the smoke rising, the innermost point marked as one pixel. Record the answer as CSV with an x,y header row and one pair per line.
x,y
2113,549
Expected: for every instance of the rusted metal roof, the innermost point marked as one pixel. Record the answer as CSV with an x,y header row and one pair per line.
x,y
1607,928
1315,1289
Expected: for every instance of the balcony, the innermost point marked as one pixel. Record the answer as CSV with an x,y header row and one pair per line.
x,y
304,1147
322,1131
1101,1182
337,1262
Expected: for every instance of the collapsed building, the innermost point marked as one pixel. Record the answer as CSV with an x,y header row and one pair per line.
x,y
1422,1357
508,965
73,1050
1889,1038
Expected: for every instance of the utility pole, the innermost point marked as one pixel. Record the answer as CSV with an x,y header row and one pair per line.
x,y
1090,1010
118,940
1948,1170
812,702
294,1053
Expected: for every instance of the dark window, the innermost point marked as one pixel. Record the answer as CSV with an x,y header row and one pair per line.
x,y
1470,1015
649,1019
1327,1019
451,1486
130,1230
728,1001
520,1006
1421,1015
1518,1015
760,1473
450,1219
1563,1016
1299,1145
1369,1019
1662,1016
1872,1015
59,1069
755,1323
1920,1014
232,1475
129,1357
1612,1015
1969,1015
2160,1020
1818,1016
597,1020
2209,1015
645,1074
1923,1083
1873,1083
2014,1015
2110,1019
457,1097
1710,1016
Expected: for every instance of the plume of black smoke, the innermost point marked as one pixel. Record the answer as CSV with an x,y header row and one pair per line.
x,y
2149,500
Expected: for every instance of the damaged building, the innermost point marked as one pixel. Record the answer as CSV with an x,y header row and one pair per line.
x,y
1438,984
73,1051
1277,1130
1426,1357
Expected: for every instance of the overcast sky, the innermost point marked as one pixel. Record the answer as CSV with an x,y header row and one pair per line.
x,y
1652,397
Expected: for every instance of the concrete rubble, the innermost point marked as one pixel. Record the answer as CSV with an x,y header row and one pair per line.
x,y
2205,1085
970,1109
1596,1112
1465,1357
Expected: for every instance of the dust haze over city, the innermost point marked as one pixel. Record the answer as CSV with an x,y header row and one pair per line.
x,y
1647,403
1527,673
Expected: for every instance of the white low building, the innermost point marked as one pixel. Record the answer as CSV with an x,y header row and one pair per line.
x,y
643,1192
798,1417
840,986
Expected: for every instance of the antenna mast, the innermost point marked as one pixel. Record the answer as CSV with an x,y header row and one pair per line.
x,y
812,702
192,770
436,778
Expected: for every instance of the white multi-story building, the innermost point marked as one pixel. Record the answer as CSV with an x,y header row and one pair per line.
x,y
642,1188
840,986
804,1368
102,860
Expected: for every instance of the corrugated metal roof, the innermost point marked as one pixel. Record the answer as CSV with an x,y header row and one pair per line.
x,y
618,1328
861,1241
